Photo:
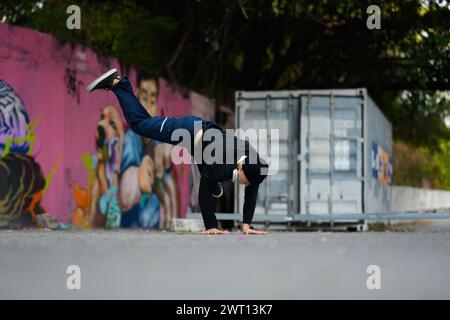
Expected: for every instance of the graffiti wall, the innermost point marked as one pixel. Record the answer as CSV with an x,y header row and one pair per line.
x,y
71,154
381,165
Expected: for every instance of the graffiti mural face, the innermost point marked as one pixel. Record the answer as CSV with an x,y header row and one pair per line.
x,y
141,198
109,139
134,184
146,174
21,186
147,93
21,179
98,180
13,120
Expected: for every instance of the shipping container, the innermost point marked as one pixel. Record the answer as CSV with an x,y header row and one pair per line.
x,y
335,152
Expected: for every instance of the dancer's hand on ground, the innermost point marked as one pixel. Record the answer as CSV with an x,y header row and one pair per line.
x,y
212,231
247,229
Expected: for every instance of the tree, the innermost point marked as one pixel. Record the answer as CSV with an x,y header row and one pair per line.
x,y
218,46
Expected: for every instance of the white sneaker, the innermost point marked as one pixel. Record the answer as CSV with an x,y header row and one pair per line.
x,y
105,81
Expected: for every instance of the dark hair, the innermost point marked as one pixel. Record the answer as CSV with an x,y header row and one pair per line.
x,y
143,75
257,172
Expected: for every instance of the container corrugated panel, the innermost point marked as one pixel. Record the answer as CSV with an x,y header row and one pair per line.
x,y
378,158
335,148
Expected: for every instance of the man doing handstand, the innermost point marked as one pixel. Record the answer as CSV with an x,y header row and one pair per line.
x,y
233,157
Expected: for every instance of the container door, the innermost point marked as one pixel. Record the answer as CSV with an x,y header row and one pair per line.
x,y
331,154
279,117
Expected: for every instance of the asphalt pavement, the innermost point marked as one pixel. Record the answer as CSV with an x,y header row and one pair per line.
x,y
413,262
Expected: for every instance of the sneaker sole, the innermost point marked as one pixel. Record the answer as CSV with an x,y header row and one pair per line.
x,y
92,85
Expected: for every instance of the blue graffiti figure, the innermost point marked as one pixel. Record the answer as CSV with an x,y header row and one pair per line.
x,y
141,206
109,205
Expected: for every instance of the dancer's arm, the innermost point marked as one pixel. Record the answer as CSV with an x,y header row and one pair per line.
x,y
206,202
250,198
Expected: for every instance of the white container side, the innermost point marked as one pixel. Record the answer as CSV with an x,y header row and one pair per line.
x,y
334,151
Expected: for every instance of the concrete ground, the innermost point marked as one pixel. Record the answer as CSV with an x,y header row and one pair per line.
x,y
414,263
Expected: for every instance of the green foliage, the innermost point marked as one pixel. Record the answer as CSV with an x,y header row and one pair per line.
x,y
218,46
419,117
18,12
116,28
422,167
440,165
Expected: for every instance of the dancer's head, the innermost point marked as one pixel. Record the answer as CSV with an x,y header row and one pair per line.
x,y
250,173
240,175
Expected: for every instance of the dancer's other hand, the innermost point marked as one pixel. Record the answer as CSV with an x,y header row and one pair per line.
x,y
212,231
247,229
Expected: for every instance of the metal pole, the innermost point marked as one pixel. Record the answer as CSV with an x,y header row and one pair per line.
x,y
290,154
308,168
335,217
266,182
330,195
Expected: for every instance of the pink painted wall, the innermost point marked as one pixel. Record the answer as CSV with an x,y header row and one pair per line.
x,y
202,106
35,66
51,78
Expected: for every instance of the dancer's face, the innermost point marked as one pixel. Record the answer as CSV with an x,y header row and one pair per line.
x,y
242,179
147,93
